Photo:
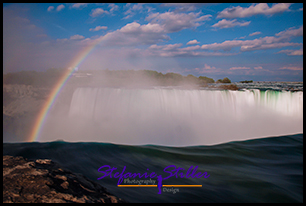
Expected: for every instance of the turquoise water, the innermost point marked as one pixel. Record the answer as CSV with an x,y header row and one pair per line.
x,y
241,139
258,170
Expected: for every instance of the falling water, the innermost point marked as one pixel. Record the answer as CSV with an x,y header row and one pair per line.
x,y
178,117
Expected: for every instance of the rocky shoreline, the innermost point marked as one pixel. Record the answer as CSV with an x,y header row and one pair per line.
x,y
44,181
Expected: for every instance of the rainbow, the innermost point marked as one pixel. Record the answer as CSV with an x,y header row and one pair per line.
x,y
39,122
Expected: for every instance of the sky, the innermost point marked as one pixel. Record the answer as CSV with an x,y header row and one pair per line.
x,y
245,41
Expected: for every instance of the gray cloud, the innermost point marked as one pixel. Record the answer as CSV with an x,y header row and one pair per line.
x,y
193,42
254,9
97,28
97,12
79,5
230,23
269,42
183,7
174,22
255,33
291,52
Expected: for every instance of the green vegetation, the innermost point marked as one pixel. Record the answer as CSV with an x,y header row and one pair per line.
x,y
51,76
206,80
224,80
247,81
33,77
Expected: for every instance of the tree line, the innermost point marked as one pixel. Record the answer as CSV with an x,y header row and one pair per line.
x,y
52,75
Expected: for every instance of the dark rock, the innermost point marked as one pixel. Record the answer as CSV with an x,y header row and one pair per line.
x,y
247,81
43,181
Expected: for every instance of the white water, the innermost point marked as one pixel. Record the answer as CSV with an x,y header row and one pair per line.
x,y
180,117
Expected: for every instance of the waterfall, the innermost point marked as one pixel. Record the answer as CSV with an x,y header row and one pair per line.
x,y
180,117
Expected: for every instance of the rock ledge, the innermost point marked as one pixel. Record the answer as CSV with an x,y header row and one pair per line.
x,y
43,181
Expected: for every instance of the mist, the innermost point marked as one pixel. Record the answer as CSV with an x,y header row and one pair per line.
x,y
141,113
